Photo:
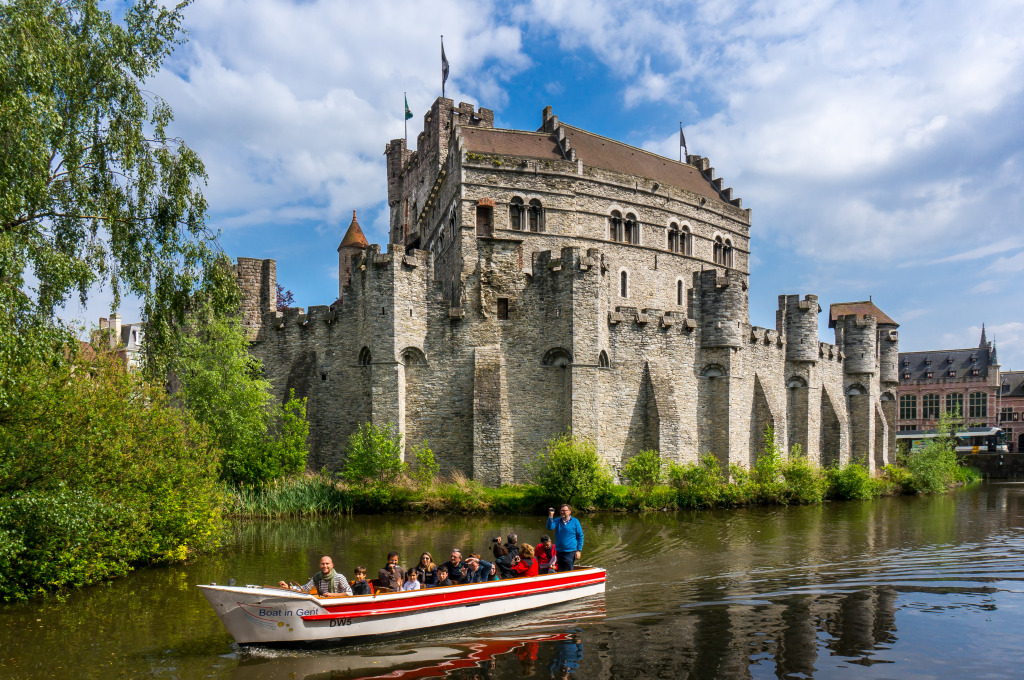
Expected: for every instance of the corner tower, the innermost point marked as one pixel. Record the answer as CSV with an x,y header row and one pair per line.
x,y
351,245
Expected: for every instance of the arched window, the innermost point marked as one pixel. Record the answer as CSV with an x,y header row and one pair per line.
x,y
686,241
557,356
673,238
624,284
679,293
713,371
602,359
719,248
516,212
615,226
727,253
631,230
364,356
536,216
412,356
796,382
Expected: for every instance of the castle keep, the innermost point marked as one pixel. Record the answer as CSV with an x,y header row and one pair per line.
x,y
542,281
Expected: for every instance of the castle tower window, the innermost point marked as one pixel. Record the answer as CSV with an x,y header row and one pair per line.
x,y
631,230
364,356
516,213
615,226
679,293
686,241
503,309
536,216
727,253
908,407
602,359
673,238
930,406
624,284
719,257
978,405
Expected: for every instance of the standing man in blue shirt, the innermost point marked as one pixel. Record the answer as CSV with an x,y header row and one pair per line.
x,y
568,537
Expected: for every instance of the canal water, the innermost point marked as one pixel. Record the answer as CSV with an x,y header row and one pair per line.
x,y
893,588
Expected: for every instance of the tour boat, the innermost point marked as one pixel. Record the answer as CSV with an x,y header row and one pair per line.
x,y
270,615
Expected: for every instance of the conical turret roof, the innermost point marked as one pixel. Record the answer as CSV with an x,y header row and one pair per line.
x,y
354,236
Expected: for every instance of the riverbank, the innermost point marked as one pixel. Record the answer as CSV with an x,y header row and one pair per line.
x,y
697,486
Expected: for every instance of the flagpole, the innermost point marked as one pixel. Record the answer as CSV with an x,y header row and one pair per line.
x,y
405,119
680,141
442,67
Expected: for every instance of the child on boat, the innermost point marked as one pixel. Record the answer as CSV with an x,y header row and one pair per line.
x,y
360,586
412,581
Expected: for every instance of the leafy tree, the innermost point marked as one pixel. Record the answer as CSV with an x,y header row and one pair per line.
x,y
644,470
221,383
285,298
92,188
426,468
374,456
124,478
570,471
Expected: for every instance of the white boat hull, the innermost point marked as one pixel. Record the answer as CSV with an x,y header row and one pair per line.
x,y
255,615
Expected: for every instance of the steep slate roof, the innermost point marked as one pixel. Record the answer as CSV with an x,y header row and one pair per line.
x,y
916,363
354,236
593,150
859,309
1012,383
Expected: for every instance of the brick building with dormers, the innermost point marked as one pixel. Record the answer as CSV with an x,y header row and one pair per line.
x,y
966,381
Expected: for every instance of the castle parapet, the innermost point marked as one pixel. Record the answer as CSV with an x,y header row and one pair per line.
x,y
797,320
723,308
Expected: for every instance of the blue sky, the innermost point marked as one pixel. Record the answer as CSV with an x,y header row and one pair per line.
x,y
879,145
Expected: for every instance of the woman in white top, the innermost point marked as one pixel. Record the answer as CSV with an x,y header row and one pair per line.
x,y
412,581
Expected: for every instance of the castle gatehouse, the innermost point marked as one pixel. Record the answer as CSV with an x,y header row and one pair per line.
x,y
541,281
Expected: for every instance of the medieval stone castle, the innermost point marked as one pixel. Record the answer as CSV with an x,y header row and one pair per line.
x,y
538,282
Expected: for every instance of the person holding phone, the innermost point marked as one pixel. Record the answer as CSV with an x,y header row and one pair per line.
x,y
568,537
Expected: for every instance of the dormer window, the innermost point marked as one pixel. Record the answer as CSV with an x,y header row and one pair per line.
x,y
906,363
949,360
952,374
929,374
927,362
975,371
906,376
974,359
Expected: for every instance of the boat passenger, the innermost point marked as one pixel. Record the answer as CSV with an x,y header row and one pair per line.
x,y
361,586
503,560
391,575
412,581
442,577
545,554
525,564
477,570
513,544
494,576
456,567
568,536
427,570
326,582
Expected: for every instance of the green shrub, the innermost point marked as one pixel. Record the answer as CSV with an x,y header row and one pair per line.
x,y
374,456
644,470
698,485
849,482
99,473
933,467
570,471
426,468
805,483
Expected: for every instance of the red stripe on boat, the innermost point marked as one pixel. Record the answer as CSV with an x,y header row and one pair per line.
x,y
386,603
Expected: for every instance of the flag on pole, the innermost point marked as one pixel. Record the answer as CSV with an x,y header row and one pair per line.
x,y
682,141
444,67
408,112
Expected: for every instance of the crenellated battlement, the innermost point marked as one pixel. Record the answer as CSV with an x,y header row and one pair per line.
x,y
704,165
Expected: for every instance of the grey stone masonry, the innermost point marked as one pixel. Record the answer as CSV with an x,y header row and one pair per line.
x,y
548,281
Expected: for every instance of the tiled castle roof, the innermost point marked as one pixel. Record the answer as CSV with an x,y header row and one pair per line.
x,y
592,150
1012,383
859,309
940,362
354,236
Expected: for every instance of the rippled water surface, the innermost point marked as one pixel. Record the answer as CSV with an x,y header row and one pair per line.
x,y
894,588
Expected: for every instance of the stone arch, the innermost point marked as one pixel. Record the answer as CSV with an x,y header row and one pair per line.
x,y
680,292
365,358
412,356
761,418
831,432
713,371
602,359
888,396
557,356
623,283
796,381
856,390
798,412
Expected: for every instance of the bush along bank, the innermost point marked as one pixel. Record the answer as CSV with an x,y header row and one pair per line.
x,y
375,480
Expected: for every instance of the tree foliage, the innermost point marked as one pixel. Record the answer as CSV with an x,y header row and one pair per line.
x,y
644,470
99,472
570,471
221,383
92,188
374,456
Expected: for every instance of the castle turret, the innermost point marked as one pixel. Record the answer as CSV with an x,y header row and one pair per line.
x,y
723,308
352,244
797,321
888,353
